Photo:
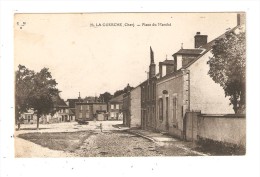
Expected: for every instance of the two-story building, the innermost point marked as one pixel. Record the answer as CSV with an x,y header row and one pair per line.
x,y
91,111
115,108
71,103
61,110
189,88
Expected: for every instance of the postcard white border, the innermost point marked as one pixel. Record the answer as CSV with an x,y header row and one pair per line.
x,y
150,166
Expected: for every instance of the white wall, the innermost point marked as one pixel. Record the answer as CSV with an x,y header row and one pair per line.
x,y
233,129
136,107
205,94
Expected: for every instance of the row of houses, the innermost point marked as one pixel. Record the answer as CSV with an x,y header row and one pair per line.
x,y
182,85
78,108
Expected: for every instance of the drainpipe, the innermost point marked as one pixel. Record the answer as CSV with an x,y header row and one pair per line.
x,y
188,99
188,73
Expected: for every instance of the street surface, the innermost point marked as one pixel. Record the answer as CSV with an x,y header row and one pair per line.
x,y
73,140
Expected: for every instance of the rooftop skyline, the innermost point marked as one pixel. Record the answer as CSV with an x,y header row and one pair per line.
x,y
94,59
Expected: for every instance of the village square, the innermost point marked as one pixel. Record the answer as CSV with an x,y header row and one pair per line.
x,y
191,103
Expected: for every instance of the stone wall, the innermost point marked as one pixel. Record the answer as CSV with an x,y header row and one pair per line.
x,y
229,129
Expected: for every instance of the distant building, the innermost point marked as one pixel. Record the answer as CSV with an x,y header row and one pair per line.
x,y
91,111
115,108
132,107
71,103
61,111
29,117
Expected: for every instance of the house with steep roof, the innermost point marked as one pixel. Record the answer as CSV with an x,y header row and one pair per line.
x,y
188,87
61,111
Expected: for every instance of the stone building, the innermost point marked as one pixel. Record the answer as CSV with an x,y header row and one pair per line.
x,y
91,111
189,88
132,108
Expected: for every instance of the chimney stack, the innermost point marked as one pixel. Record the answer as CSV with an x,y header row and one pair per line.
x,y
152,70
200,40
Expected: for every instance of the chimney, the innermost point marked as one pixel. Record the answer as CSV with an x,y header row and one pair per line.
x,y
241,19
200,40
152,65
79,98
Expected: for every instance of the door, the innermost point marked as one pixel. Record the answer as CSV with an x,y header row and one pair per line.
x,y
143,119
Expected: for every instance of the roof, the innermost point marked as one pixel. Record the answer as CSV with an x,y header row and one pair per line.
x,y
172,74
85,103
168,62
207,47
189,51
73,101
117,99
58,102
204,48
71,111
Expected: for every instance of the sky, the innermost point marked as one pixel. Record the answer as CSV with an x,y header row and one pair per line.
x,y
91,53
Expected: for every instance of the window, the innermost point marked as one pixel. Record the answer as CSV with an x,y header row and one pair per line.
x,y
160,109
100,108
117,106
174,109
167,112
112,106
87,115
87,107
80,115
81,107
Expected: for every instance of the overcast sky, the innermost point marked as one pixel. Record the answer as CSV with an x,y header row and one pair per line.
x,y
94,59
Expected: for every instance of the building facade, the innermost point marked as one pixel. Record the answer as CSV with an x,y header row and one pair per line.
x,y
61,110
115,108
91,111
132,108
189,88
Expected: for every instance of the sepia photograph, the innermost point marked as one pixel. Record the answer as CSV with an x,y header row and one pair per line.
x,y
130,84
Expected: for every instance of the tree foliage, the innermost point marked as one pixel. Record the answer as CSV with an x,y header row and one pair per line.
x,y
105,97
228,66
125,90
34,90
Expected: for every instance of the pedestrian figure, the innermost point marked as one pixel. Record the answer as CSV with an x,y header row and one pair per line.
x,y
20,121
101,127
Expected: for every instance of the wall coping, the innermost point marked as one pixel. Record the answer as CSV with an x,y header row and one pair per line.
x,y
223,115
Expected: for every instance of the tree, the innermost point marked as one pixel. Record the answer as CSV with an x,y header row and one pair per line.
x,y
125,90
105,97
35,91
23,85
227,67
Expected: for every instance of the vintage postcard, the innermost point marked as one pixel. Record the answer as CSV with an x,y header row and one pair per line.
x,y
130,84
